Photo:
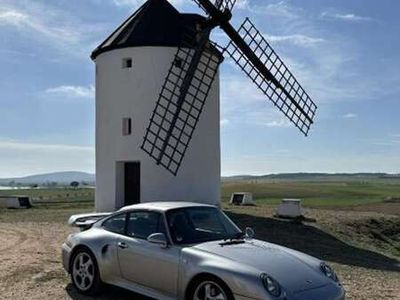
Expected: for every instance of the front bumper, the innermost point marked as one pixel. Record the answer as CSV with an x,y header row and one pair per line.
x,y
330,292
239,297
66,256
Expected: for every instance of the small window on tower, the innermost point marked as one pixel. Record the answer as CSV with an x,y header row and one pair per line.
x,y
126,126
127,63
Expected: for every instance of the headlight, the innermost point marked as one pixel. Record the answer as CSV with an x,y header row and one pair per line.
x,y
271,285
329,272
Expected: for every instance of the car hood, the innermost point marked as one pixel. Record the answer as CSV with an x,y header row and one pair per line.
x,y
296,272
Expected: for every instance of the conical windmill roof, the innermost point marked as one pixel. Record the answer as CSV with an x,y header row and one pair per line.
x,y
156,23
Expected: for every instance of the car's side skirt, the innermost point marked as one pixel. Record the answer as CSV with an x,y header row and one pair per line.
x,y
137,288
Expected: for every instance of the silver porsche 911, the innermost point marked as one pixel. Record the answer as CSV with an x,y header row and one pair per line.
x,y
177,250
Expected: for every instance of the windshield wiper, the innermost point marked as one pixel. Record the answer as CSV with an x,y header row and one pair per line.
x,y
237,238
232,242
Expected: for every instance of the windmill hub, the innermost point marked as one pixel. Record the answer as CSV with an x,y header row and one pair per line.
x,y
157,102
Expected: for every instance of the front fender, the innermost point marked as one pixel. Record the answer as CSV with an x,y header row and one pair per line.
x,y
243,281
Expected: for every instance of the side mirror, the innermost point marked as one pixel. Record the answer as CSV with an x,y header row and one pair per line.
x,y
158,239
249,233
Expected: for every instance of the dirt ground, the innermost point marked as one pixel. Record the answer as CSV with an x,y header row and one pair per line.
x,y
30,264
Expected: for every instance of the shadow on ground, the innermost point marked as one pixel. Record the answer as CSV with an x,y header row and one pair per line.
x,y
109,293
315,242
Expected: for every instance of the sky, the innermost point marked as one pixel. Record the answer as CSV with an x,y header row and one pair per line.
x,y
346,54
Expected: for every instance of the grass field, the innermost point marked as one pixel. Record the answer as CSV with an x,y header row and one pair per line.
x,y
317,194
313,194
62,202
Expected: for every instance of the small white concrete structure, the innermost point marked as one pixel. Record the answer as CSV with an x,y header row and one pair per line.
x,y
131,67
290,208
15,202
242,198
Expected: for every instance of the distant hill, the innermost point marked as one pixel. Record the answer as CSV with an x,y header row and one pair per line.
x,y
63,178
313,177
59,177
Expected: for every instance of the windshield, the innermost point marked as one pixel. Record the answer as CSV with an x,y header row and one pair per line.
x,y
194,225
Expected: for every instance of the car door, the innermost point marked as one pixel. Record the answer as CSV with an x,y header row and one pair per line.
x,y
113,227
143,262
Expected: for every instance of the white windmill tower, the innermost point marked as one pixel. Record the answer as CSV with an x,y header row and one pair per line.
x,y
157,102
131,66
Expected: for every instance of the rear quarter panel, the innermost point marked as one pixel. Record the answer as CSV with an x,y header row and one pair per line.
x,y
103,244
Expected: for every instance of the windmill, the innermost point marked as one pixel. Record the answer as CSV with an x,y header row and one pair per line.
x,y
158,101
186,87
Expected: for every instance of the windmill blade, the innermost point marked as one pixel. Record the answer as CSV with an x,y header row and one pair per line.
x,y
254,55
221,5
181,102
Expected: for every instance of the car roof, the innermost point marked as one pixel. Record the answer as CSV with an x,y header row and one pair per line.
x,y
164,205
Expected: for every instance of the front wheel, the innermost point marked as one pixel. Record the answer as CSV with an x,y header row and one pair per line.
x,y
210,288
85,273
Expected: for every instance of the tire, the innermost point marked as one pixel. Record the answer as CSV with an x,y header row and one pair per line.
x,y
209,286
85,272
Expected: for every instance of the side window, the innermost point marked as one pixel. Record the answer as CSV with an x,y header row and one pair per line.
x,y
115,224
144,223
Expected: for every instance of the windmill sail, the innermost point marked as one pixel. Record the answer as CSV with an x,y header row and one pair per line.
x,y
270,74
192,73
221,5
181,101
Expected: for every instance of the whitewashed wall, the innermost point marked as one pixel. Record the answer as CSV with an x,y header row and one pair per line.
x,y
133,93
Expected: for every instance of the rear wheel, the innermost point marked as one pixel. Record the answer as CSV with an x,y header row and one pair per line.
x,y
209,288
85,273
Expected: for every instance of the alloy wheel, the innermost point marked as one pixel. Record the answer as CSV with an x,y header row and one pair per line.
x,y
83,271
209,290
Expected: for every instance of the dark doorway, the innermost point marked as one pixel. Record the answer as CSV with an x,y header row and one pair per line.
x,y
132,183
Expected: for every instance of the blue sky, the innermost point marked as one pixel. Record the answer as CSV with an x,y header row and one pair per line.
x,y
346,54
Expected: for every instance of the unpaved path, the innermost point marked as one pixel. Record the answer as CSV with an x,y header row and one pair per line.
x,y
30,261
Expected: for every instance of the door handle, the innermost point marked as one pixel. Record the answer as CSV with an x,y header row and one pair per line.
x,y
122,245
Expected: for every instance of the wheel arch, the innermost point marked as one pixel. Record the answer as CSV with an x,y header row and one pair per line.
x,y
198,277
73,253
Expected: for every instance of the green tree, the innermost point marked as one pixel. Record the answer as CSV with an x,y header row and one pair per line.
x,y
74,184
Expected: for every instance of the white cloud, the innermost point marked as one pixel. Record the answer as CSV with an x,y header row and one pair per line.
x,y
44,23
24,21
73,91
132,3
296,39
268,116
12,17
224,122
389,141
242,4
378,143
350,116
281,123
239,90
345,17
19,158
320,62
279,9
